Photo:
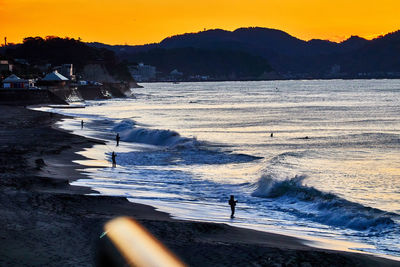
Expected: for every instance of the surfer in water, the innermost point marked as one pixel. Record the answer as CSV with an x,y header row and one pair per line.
x,y
117,138
272,135
232,202
114,162
81,124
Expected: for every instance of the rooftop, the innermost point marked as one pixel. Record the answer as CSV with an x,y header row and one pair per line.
x,y
54,76
13,79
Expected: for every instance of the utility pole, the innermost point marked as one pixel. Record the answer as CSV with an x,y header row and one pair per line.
x,y
5,41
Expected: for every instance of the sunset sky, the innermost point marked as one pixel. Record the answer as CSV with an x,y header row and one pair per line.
x,y
146,21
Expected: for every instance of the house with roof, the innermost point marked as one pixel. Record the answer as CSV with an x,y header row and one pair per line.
x,y
55,77
143,72
53,80
15,82
66,70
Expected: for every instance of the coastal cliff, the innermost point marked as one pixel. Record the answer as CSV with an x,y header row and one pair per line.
x,y
93,92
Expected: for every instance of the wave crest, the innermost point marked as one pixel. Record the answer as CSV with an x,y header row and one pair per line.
x,y
325,208
130,133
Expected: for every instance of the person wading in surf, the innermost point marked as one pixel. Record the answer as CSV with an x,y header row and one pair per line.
x,y
232,202
117,138
114,163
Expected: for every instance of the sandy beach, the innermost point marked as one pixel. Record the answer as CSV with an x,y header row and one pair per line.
x,y
47,222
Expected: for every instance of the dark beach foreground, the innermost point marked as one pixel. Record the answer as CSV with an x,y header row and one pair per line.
x,y
47,222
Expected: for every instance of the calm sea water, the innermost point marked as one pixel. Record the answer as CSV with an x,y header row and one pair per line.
x,y
331,169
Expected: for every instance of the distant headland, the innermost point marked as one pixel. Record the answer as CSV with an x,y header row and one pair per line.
x,y
265,54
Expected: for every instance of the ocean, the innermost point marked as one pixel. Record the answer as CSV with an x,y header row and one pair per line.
x,y
330,171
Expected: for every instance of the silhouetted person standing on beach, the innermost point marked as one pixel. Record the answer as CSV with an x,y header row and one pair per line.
x,y
117,138
113,156
232,203
81,124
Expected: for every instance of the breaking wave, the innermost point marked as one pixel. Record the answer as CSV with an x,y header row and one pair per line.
x,y
129,132
195,152
326,208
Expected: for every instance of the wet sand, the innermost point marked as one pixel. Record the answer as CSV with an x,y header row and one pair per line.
x,y
47,222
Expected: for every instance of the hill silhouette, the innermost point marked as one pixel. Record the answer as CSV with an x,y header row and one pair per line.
x,y
288,55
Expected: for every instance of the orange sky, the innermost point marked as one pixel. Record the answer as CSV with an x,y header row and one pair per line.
x,y
146,21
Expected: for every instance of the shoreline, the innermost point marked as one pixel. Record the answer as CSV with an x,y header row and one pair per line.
x,y
47,221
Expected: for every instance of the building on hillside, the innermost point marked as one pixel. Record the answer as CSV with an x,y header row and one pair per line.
x,y
15,82
175,75
199,77
53,80
66,70
142,73
55,77
5,65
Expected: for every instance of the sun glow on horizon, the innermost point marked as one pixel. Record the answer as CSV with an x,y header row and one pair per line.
x,y
137,22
